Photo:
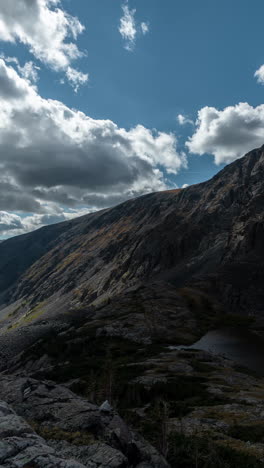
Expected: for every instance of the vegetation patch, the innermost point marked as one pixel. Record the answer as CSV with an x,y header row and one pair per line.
x,y
248,433
56,433
202,367
34,313
68,260
193,451
203,307
29,316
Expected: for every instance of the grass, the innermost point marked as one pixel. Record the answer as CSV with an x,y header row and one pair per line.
x,y
56,433
34,313
68,260
27,318
14,312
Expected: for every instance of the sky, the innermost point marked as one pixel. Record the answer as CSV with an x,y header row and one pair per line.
x,y
105,100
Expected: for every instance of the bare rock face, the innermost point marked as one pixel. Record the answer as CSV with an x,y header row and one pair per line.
x,y
72,431
20,446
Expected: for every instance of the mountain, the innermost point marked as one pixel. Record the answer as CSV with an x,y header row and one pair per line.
x,y
96,305
208,236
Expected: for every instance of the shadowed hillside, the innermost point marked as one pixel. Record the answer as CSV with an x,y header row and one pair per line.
x,y
202,236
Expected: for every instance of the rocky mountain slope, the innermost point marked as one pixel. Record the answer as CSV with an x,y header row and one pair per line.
x,y
203,235
89,309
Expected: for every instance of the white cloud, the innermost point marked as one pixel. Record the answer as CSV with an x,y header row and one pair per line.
x,y
129,28
229,133
185,186
51,154
182,120
144,28
13,60
9,222
29,71
158,148
259,74
12,224
46,29
76,78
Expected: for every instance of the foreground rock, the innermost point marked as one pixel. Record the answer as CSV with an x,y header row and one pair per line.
x,y
20,446
71,431
186,403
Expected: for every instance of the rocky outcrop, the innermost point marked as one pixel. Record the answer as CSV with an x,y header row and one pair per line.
x,y
191,404
20,446
71,431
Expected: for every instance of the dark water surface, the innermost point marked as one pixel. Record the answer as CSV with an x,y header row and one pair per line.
x,y
245,348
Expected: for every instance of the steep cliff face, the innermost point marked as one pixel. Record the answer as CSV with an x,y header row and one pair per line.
x,y
208,236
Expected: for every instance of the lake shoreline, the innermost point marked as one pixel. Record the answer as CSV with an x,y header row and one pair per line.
x,y
245,348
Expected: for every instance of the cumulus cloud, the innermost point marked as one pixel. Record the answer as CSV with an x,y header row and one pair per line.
x,y
129,29
51,154
76,78
29,71
182,120
9,222
12,87
12,224
259,74
229,133
12,198
47,30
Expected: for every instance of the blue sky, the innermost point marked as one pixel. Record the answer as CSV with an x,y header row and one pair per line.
x,y
193,59
196,54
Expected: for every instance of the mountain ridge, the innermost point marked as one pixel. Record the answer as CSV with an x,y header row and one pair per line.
x,y
195,227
